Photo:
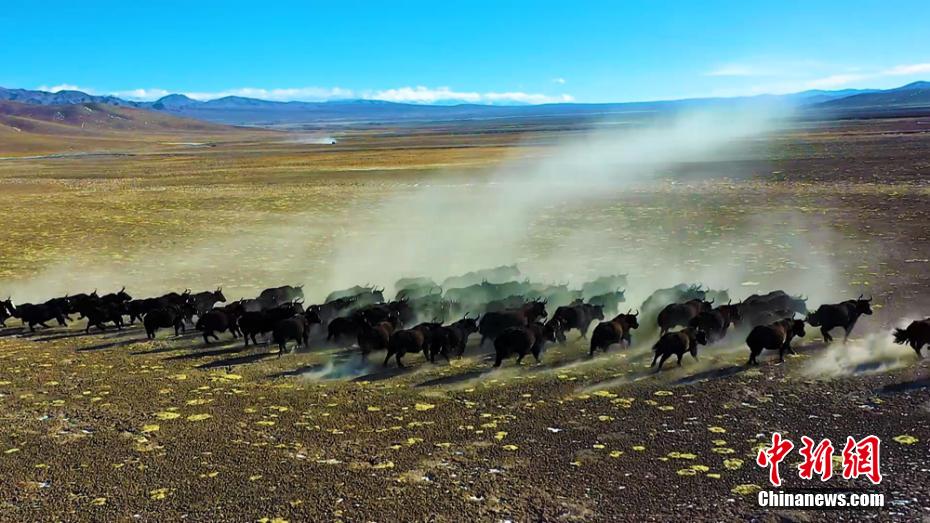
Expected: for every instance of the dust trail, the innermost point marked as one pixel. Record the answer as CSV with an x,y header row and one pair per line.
x,y
873,354
454,225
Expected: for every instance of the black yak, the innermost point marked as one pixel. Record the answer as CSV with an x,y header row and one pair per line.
x,y
374,337
617,330
776,336
768,308
716,322
98,312
219,320
453,338
494,323
520,341
39,314
204,301
164,317
578,316
678,343
681,314
917,334
296,328
277,295
845,314
411,341
7,310
253,323
343,327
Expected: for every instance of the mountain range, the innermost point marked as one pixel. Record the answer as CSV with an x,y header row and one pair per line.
x,y
237,110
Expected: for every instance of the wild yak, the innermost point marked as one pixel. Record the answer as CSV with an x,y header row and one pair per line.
x,y
98,312
681,314
776,336
343,327
452,338
363,295
332,309
253,323
609,301
219,320
522,340
844,315
604,285
38,314
277,295
495,275
578,316
296,328
617,330
768,308
411,341
494,323
204,301
677,343
164,317
7,310
374,337
116,297
716,322
398,312
917,334
510,302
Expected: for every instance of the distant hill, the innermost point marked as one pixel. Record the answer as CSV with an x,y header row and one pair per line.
x,y
33,129
916,94
236,110
93,118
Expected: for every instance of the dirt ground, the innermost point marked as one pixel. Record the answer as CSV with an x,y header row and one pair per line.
x,y
113,427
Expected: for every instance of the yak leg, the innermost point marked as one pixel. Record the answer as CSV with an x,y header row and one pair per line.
x,y
400,364
498,360
680,356
826,334
387,358
848,330
662,360
520,357
654,360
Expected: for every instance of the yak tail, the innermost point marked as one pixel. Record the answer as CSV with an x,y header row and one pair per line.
x,y
900,336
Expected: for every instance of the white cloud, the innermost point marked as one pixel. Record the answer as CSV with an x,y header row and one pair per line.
x,y
560,81
417,95
903,70
64,87
840,80
304,94
426,95
141,94
737,70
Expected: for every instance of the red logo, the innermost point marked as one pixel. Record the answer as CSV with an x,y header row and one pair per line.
x,y
860,458
774,455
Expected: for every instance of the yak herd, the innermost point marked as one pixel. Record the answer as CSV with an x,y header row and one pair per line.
x,y
434,319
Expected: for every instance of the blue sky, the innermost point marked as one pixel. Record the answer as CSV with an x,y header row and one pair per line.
x,y
480,51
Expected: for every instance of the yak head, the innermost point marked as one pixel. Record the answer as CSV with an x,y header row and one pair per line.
x,y
797,327
630,318
123,296
218,295
536,309
864,306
